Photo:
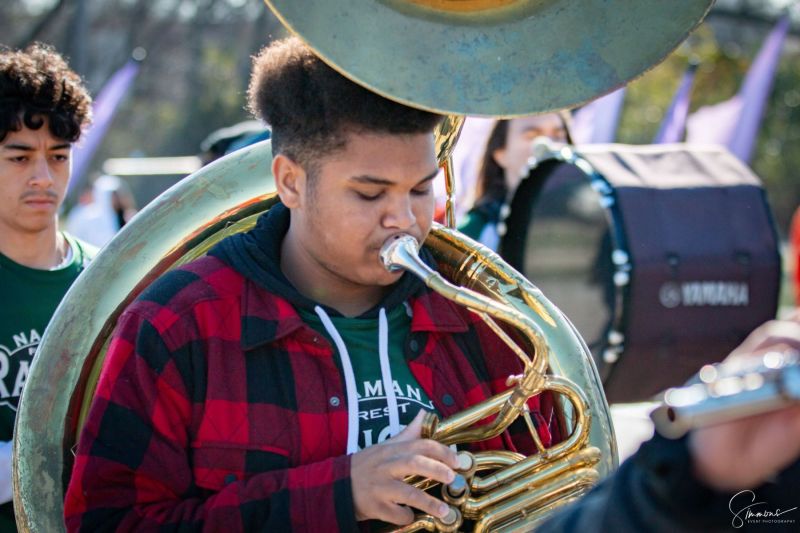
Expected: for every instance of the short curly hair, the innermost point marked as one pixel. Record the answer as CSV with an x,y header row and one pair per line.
x,y
37,84
310,107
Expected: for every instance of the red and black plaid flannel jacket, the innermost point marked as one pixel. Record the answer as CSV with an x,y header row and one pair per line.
x,y
219,409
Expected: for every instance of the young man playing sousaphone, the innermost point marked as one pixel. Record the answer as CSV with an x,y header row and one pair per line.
x,y
227,396
254,389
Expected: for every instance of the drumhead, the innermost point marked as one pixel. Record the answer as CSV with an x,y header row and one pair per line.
x,y
559,235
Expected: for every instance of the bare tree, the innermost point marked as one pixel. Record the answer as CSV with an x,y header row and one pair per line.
x,y
42,24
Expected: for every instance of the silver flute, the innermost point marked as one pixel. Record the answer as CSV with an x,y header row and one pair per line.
x,y
728,391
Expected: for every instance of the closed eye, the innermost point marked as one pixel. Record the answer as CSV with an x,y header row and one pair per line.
x,y
369,198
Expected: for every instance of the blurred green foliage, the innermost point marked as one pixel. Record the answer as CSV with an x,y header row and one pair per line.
x,y
722,67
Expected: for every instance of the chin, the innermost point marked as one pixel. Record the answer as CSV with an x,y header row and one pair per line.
x,y
386,278
40,225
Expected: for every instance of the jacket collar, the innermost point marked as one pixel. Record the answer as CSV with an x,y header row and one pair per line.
x,y
267,317
270,301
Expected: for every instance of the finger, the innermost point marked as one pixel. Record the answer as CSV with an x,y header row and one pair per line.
x,y
412,431
794,315
770,335
435,450
758,446
393,513
782,427
420,465
402,493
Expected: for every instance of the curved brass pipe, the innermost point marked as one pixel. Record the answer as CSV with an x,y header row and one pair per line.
x,y
402,253
519,488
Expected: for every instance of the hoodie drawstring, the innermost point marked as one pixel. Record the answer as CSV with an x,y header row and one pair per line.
x,y
386,373
350,379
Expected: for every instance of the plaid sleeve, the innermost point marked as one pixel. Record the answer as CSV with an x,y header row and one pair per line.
x,y
133,469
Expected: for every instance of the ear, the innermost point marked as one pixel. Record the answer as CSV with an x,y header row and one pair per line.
x,y
500,157
290,180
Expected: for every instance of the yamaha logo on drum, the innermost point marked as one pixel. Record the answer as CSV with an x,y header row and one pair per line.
x,y
704,293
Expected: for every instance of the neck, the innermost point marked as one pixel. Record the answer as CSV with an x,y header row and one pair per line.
x,y
317,282
43,250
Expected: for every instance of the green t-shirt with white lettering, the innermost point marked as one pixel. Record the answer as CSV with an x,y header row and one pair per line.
x,y
29,297
360,336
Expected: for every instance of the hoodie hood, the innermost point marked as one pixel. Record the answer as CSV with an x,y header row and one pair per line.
x,y
256,255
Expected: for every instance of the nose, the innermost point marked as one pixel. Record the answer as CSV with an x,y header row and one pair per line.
x,y
42,173
399,213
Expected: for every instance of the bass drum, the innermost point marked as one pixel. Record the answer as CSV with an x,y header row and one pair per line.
x,y
664,257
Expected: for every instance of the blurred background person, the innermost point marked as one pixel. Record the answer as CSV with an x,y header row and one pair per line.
x,y
225,140
111,207
503,166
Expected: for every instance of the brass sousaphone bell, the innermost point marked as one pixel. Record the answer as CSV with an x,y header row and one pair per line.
x,y
464,57
494,58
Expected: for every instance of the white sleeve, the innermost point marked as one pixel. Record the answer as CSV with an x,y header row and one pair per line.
x,y
5,471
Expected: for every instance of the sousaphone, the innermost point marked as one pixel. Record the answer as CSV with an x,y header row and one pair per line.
x,y
478,57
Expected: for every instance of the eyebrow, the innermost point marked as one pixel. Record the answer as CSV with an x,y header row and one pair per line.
x,y
26,148
373,180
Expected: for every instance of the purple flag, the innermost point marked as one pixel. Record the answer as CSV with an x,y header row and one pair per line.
x,y
103,109
671,130
714,124
597,121
735,122
755,91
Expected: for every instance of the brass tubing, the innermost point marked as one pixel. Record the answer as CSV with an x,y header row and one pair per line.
x,y
531,383
506,339
449,427
543,491
577,439
445,139
450,203
403,253
467,263
479,303
577,481
496,459
538,476
505,416
530,520
522,484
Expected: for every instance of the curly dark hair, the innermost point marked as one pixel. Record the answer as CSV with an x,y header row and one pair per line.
x,y
37,84
311,107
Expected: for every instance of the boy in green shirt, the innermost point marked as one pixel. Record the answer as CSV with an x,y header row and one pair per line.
x,y
43,108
